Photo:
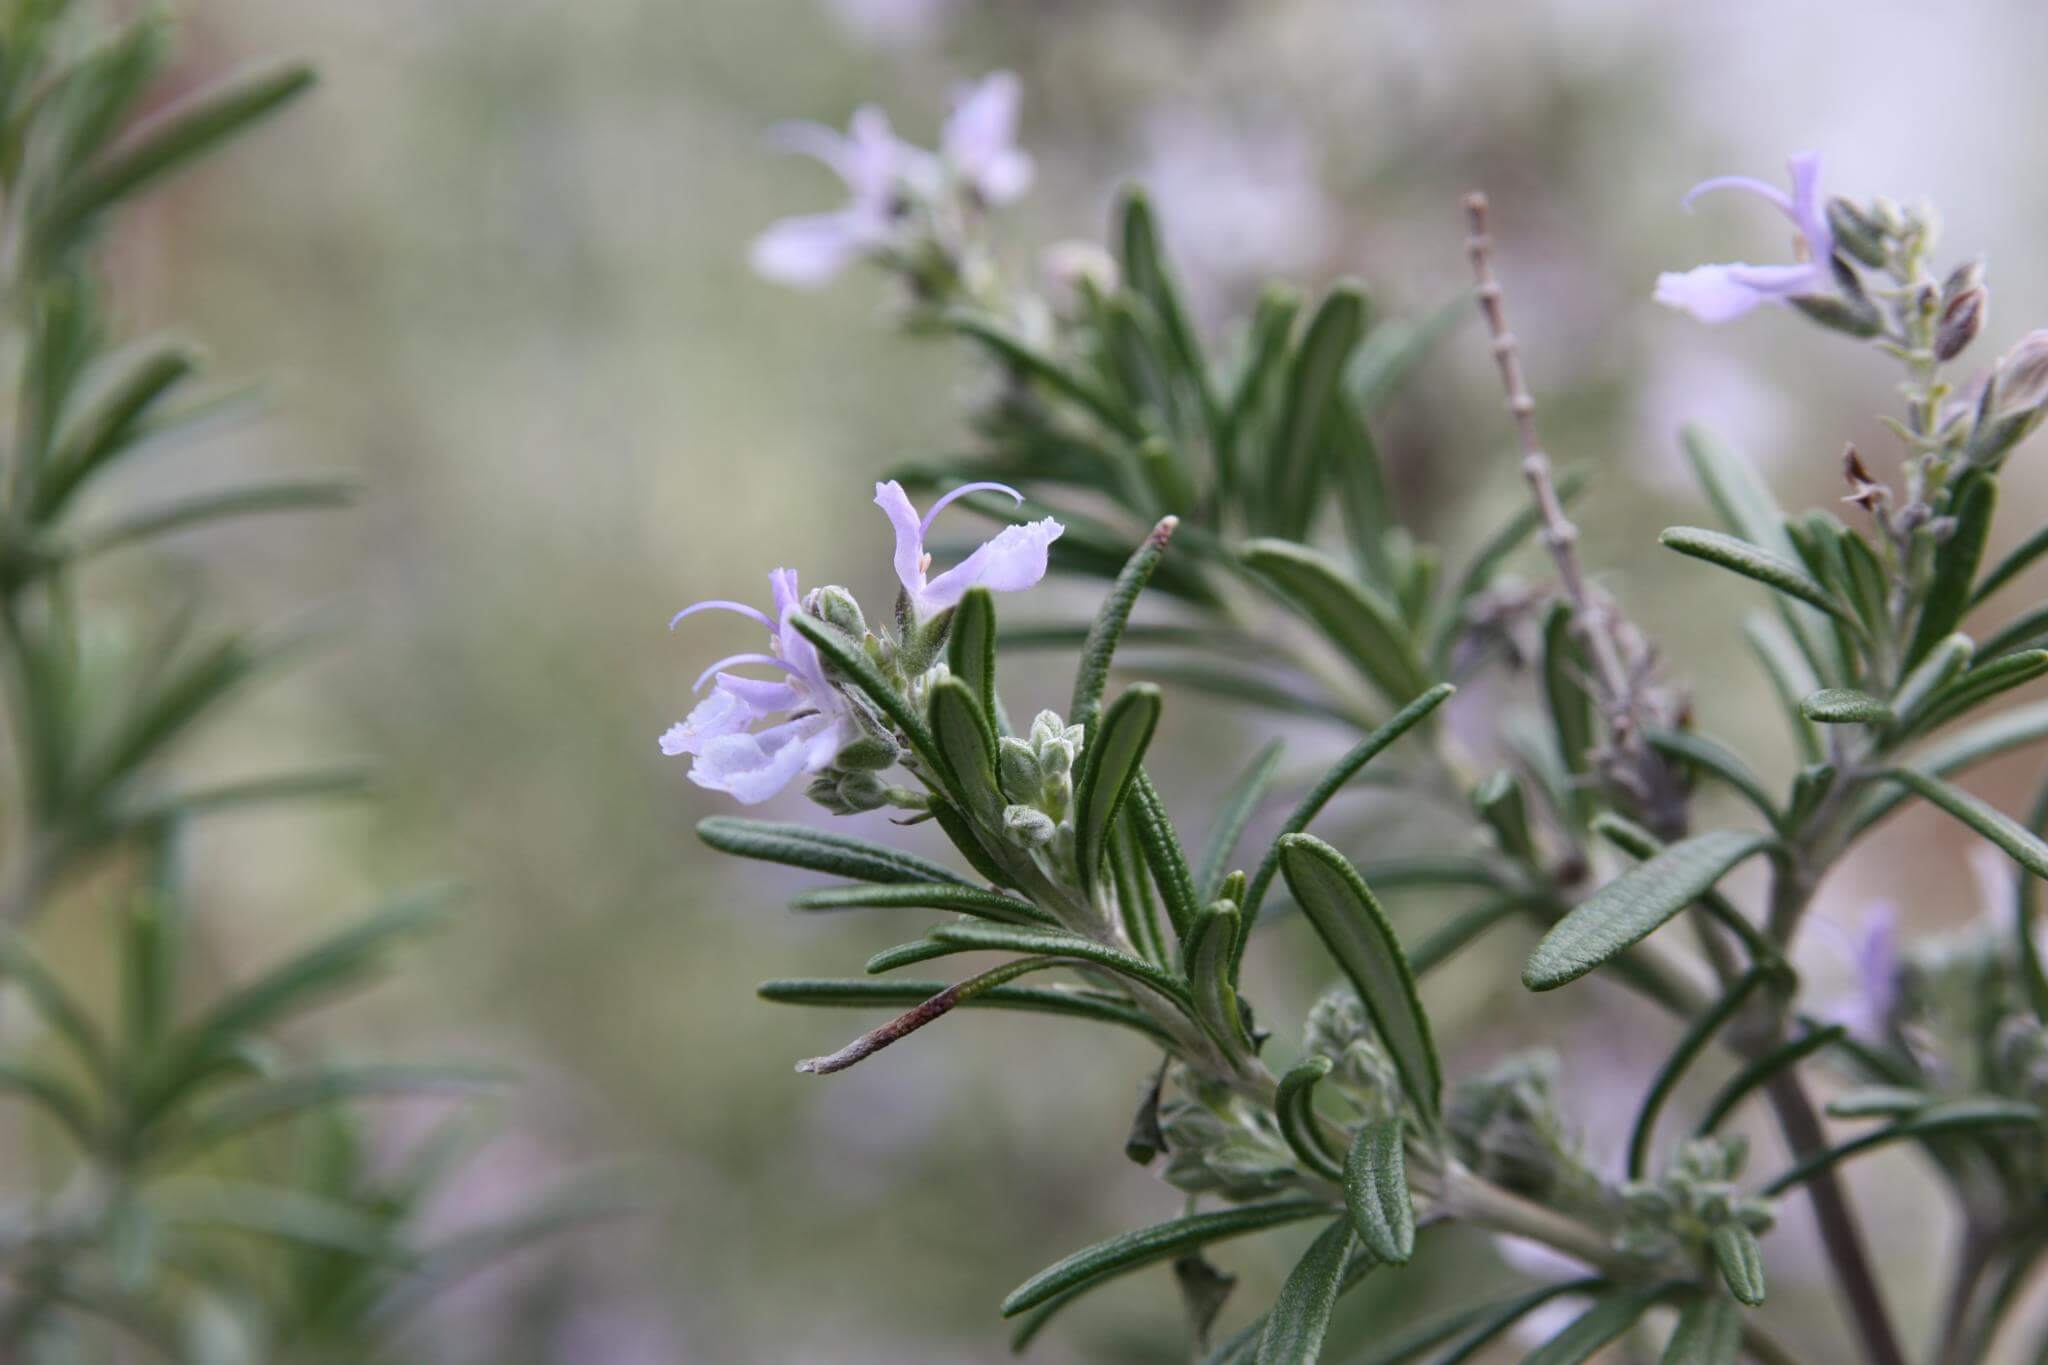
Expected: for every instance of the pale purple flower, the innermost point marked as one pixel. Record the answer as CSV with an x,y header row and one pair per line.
x,y
808,250
979,141
1866,1007
729,754
1719,293
1014,560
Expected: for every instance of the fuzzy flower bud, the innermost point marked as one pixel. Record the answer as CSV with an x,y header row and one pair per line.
x,y
835,606
1962,318
1017,769
2014,401
1029,826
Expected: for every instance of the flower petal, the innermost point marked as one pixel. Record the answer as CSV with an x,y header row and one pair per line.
x,y
1711,293
807,252
895,505
1013,561
752,768
720,714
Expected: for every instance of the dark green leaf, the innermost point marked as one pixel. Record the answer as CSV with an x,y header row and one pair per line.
x,y
859,994
1709,756
1697,1036
1163,855
1148,274
1062,944
971,650
1103,636
2022,557
1207,951
1019,356
1746,1081
842,855
1604,1322
846,656
1955,564
1355,930
1239,805
1633,905
170,140
966,900
1564,673
1475,1327
1955,1116
1301,1315
967,742
1312,379
1343,771
2022,844
1294,1106
1110,762
299,495
1376,1190
1135,1250
1879,1102
1361,623
1709,1332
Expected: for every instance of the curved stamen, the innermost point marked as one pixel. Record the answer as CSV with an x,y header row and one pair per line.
x,y
770,659
720,604
924,527
1746,183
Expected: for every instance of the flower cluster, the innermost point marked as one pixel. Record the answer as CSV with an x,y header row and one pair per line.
x,y
751,737
907,208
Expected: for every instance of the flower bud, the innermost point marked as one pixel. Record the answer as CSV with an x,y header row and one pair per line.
x,y
1069,272
1046,725
835,606
2014,401
1055,758
1029,826
1856,319
1856,233
1016,769
869,753
1962,318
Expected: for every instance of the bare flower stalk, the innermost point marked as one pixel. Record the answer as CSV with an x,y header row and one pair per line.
x,y
1621,668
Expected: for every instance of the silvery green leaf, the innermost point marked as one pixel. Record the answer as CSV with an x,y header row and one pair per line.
x,y
1019,356
1300,1317
1879,1102
1697,1036
1753,1076
1122,1254
1741,1262
997,938
1632,906
1355,930
1376,1190
1988,679
1739,556
1845,706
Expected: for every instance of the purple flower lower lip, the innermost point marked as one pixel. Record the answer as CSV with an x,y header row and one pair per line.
x,y
1014,559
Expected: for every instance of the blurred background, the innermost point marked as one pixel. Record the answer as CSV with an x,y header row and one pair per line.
x,y
496,268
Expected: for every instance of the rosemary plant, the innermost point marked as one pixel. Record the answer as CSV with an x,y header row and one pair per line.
x,y
182,1183
1247,479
